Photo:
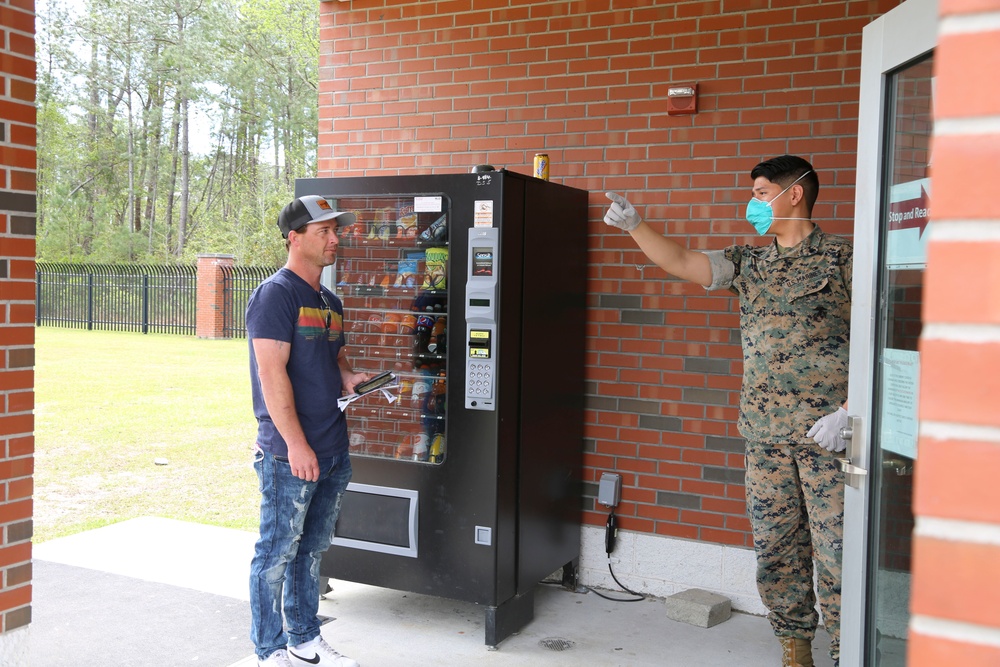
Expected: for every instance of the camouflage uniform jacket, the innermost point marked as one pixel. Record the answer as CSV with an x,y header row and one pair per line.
x,y
795,321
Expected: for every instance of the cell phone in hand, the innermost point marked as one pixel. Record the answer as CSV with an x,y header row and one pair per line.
x,y
380,380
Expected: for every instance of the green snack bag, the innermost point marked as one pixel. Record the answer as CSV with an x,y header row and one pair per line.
x,y
435,268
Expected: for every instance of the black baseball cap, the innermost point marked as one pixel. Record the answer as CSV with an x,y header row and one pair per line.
x,y
308,209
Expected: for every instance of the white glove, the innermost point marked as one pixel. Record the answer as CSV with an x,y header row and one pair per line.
x,y
621,214
826,431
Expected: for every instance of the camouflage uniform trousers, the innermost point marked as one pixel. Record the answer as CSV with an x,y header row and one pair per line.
x,y
795,501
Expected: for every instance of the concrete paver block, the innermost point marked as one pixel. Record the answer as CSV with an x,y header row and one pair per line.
x,y
698,607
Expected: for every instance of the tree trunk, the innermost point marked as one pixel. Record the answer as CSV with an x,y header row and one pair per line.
x,y
182,220
175,132
91,148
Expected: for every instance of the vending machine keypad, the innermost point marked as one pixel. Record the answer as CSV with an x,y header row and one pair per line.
x,y
480,381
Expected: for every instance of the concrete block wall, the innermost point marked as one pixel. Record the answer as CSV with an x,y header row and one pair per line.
x,y
17,316
417,87
956,556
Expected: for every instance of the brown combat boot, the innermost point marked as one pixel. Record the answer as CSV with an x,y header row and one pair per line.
x,y
796,652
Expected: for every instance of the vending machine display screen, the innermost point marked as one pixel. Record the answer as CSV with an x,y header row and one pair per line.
x,y
482,261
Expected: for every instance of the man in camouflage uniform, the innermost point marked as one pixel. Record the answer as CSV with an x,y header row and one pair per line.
x,y
795,308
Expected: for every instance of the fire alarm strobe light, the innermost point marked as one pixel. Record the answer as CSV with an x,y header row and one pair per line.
x,y
682,99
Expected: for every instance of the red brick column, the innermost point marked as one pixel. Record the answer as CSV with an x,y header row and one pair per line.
x,y
956,556
17,315
211,298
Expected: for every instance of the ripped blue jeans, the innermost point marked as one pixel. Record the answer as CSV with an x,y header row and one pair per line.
x,y
297,519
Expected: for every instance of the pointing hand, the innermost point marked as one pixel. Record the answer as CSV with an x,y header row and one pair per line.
x,y
621,213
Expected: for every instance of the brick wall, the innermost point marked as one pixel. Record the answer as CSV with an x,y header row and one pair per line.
x,y
956,576
17,314
419,87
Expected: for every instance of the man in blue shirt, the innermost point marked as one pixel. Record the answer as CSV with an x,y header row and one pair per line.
x,y
298,370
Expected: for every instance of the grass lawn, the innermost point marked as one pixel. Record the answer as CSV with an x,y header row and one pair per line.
x,y
109,404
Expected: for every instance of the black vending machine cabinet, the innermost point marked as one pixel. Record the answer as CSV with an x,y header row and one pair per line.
x,y
471,288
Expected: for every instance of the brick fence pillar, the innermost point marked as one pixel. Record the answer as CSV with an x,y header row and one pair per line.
x,y
211,296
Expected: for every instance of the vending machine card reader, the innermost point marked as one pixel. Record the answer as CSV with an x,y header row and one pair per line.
x,y
481,318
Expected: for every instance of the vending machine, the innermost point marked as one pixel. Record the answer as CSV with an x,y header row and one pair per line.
x,y
470,289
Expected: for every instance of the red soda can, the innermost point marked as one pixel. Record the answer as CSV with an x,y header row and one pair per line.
x,y
542,166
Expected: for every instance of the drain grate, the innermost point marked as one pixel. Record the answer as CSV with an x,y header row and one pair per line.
x,y
556,644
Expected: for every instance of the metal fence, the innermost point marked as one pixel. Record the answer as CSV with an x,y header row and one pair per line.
x,y
117,297
239,282
144,298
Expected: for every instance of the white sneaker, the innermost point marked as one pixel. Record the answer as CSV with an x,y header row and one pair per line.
x,y
318,652
277,659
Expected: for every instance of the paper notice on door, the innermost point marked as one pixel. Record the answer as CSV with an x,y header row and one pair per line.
x,y
899,399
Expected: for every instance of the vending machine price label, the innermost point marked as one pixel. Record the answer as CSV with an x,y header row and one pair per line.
x,y
427,204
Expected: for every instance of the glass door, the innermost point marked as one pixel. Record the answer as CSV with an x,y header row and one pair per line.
x,y
893,450
891,227
391,274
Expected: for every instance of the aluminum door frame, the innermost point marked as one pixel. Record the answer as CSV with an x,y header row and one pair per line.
x,y
900,36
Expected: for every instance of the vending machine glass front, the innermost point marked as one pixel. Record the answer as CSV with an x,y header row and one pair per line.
x,y
392,276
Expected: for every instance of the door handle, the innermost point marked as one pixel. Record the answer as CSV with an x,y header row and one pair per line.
x,y
845,465
854,447
899,466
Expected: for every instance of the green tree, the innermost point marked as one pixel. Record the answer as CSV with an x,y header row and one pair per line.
x,y
123,175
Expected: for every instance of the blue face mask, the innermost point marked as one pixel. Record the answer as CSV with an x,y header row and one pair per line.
x,y
761,215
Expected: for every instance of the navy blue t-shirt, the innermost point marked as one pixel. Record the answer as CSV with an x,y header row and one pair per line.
x,y
285,307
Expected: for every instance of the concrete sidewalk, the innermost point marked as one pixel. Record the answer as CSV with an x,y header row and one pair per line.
x,y
174,561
